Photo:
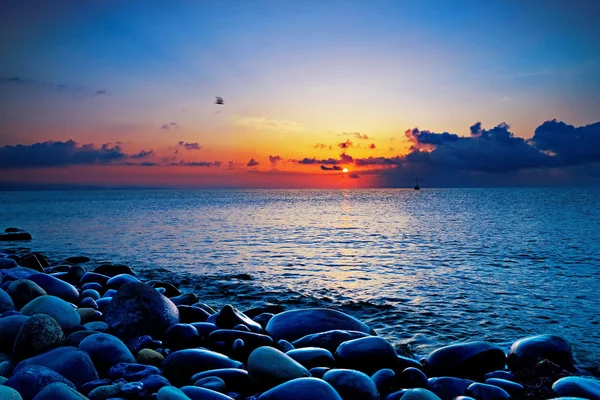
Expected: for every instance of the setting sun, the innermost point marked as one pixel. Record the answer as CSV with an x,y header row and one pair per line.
x,y
345,170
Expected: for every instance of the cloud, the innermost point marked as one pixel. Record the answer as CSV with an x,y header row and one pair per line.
x,y
310,161
334,168
358,135
197,163
143,154
60,154
14,79
264,123
346,159
354,176
372,146
99,92
172,125
345,145
61,87
252,163
189,146
274,160
380,161
569,144
321,146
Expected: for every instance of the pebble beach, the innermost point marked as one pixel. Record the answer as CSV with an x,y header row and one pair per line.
x,y
78,329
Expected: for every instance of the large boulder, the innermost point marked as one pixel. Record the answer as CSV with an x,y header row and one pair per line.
x,y
39,334
56,287
269,367
465,360
23,291
528,351
368,354
576,386
352,384
29,381
181,365
295,324
137,309
302,389
13,234
105,351
63,312
75,365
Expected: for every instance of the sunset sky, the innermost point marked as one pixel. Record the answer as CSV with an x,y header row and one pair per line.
x,y
461,93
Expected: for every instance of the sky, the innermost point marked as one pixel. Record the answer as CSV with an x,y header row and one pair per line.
x,y
462,93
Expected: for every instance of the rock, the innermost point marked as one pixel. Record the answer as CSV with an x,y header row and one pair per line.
x,y
153,383
16,273
150,357
14,236
34,261
397,395
482,391
110,293
60,391
135,344
6,263
29,381
131,372
527,351
229,317
60,310
181,365
189,314
352,384
75,274
75,365
448,388
186,299
575,386
107,392
88,315
286,346
367,354
413,378
89,386
270,367
103,302
9,329
233,378
23,291
385,380
133,389
213,383
113,270
137,309
501,374
171,393
93,294
329,340
38,334
6,302
311,357
199,393
76,337
56,287
105,351
204,328
171,290
6,368
181,336
228,336
88,302
263,319
96,326
77,260
7,393
93,286
419,394
406,362
119,280
512,388
302,389
90,277
465,360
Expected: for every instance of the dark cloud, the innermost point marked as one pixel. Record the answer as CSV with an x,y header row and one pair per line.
x,y
189,146
385,161
59,154
345,145
143,154
334,168
346,159
354,176
14,79
372,146
358,135
172,125
197,163
310,161
252,163
99,92
321,146
274,160
569,144
49,85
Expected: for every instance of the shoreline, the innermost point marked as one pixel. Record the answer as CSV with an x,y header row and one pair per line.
x,y
251,341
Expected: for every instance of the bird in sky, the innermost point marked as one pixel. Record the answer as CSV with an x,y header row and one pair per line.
x,y
219,101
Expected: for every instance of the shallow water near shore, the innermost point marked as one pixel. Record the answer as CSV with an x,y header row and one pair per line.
x,y
425,269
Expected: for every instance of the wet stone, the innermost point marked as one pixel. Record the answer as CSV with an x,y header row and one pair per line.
x,y
575,386
352,384
482,391
311,357
413,378
368,354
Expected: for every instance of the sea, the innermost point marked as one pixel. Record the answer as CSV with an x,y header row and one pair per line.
x,y
424,268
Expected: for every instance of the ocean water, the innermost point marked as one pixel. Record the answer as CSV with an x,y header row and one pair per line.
x,y
424,268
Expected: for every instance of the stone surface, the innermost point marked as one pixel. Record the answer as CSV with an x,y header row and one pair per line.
x,y
199,393
73,364
329,340
465,360
118,281
137,309
527,351
575,386
352,384
419,394
38,334
132,372
311,357
150,357
233,378
60,310
14,236
447,388
295,324
60,391
181,336
6,302
413,378
153,383
29,381
113,270
302,389
171,393
482,391
23,291
105,351
9,329
56,287
7,393
368,354
229,317
213,383
269,367
181,365
512,388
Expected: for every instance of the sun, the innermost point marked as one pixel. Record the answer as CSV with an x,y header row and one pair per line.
x,y
345,170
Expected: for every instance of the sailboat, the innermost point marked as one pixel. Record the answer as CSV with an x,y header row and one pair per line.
x,y
417,183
